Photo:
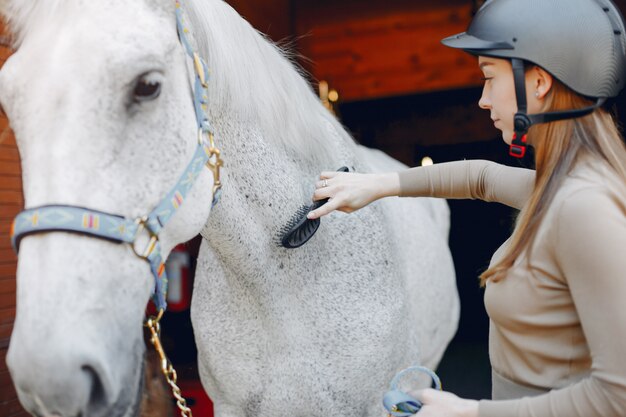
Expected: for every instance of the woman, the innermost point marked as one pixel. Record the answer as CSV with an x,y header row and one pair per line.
x,y
556,289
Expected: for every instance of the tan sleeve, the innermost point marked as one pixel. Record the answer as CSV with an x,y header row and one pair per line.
x,y
591,244
476,179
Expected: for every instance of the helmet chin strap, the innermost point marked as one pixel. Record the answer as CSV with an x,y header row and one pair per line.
x,y
523,121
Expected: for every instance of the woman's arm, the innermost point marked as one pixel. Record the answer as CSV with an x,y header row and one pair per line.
x,y
475,179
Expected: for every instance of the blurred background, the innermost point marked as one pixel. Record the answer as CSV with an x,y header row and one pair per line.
x,y
380,67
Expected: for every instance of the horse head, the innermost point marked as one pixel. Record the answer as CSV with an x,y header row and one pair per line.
x,y
90,93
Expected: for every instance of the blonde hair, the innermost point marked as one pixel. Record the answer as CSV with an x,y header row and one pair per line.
x,y
558,145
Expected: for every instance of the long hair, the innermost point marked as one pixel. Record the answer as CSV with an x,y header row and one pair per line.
x,y
558,146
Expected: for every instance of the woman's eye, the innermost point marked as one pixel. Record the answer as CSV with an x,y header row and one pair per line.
x,y
485,79
147,88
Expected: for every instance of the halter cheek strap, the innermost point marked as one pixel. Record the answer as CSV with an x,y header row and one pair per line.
x,y
55,218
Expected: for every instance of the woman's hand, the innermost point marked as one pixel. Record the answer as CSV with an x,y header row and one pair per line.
x,y
349,192
445,404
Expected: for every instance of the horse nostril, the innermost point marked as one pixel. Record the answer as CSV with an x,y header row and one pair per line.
x,y
97,395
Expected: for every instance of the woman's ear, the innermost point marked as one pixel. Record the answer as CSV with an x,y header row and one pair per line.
x,y
542,82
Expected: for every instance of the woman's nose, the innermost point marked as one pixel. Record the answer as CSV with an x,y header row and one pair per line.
x,y
484,102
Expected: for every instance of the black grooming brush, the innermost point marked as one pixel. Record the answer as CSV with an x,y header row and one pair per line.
x,y
300,228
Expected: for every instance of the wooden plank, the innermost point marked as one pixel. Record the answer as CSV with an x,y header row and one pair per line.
x,y
6,329
4,122
7,256
7,137
7,393
7,286
378,86
12,408
10,278
5,226
7,300
9,211
308,11
7,315
5,241
10,168
5,378
11,183
382,49
271,17
5,53
414,19
7,270
9,154
11,197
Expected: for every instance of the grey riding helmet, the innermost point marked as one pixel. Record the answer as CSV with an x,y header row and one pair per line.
x,y
582,43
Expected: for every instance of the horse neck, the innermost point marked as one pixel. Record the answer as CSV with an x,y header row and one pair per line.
x,y
253,81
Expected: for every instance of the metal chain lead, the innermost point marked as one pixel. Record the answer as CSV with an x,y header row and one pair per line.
x,y
166,366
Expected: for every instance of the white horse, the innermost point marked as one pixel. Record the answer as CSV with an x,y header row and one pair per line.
x,y
314,331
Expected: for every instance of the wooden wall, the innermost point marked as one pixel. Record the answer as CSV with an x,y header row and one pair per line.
x,y
383,48
11,203
271,17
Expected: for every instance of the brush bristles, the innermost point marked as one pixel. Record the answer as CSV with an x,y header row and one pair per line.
x,y
298,230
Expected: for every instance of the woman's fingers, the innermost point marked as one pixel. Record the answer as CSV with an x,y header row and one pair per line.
x,y
427,395
326,178
322,184
324,210
329,174
444,404
322,193
347,192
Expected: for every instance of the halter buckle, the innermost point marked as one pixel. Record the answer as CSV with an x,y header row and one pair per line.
x,y
142,223
215,162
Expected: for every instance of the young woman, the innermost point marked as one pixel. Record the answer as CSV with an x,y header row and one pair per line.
x,y
556,289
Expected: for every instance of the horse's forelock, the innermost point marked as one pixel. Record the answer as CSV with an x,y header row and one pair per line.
x,y
20,15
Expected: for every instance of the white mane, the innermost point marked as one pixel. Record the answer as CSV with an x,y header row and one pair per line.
x,y
253,78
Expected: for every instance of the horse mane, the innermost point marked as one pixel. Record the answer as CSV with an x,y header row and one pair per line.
x,y
253,78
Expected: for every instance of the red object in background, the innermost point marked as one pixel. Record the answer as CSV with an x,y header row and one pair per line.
x,y
179,279
197,400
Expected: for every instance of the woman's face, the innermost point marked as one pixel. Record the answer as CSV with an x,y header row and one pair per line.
x,y
499,94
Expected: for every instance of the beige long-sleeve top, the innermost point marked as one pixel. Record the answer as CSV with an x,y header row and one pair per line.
x,y
558,318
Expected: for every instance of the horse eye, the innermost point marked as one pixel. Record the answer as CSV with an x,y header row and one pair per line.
x,y
147,88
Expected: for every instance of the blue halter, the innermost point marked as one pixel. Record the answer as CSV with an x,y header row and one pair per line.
x,y
51,218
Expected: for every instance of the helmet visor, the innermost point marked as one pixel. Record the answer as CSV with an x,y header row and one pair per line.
x,y
475,45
